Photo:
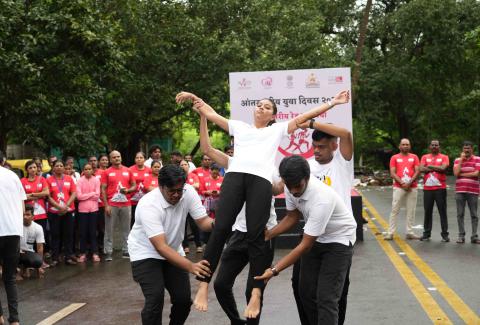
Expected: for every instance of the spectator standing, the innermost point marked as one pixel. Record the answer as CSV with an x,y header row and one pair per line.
x,y
152,181
404,169
434,166
12,196
202,173
117,183
36,188
155,153
176,157
228,150
60,213
140,173
467,169
191,165
32,234
211,190
88,193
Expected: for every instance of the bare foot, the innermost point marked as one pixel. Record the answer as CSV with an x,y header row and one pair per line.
x,y
253,307
201,298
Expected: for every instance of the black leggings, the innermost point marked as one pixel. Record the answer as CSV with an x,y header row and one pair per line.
x,y
9,253
61,229
238,188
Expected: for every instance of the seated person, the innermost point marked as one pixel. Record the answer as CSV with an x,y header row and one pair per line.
x,y
32,234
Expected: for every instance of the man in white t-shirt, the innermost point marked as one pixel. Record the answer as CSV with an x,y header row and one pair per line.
x,y
155,153
333,165
326,248
12,207
155,245
32,235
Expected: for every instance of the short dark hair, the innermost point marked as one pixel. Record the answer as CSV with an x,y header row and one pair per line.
x,y
153,148
320,135
176,153
227,148
468,143
293,169
29,207
214,166
30,162
58,161
171,175
156,162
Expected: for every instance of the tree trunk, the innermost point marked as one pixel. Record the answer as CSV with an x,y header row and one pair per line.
x,y
361,41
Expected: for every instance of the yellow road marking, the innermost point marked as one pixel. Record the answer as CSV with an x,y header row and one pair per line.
x,y
460,307
61,314
432,309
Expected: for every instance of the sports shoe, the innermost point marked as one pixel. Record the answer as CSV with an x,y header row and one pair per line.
x,y
412,237
388,237
82,258
460,240
425,238
445,239
125,255
108,257
96,258
475,241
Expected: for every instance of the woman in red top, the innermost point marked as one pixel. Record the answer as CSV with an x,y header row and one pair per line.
x,y
152,181
60,213
211,192
36,188
140,173
193,180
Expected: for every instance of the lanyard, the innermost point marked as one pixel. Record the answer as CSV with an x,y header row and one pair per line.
x,y
60,187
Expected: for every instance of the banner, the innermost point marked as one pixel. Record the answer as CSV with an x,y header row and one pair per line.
x,y
294,92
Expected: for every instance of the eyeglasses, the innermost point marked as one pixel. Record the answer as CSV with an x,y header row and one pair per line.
x,y
171,191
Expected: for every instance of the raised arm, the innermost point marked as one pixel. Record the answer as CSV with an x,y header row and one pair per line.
x,y
346,141
206,147
200,106
341,98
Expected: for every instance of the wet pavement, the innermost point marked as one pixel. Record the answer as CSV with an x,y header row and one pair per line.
x,y
378,292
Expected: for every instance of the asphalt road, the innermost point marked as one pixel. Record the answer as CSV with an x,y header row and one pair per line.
x,y
399,282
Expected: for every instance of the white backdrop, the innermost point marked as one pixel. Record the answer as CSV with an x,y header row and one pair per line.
x,y
294,91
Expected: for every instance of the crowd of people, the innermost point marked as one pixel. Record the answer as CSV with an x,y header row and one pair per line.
x,y
226,206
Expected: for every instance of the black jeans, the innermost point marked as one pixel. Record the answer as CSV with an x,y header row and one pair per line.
x,y
195,232
234,259
30,259
323,273
100,227
61,230
9,253
237,189
88,231
430,197
154,276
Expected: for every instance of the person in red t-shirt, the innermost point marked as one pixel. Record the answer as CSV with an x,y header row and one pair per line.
x,y
117,183
151,182
404,169
36,188
140,173
211,191
60,212
193,180
203,172
467,187
434,166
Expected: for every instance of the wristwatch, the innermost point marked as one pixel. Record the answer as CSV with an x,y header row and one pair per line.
x,y
274,271
311,123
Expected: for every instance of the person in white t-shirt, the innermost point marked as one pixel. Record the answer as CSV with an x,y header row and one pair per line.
x,y
12,197
235,255
32,235
155,245
333,165
326,248
249,181
155,153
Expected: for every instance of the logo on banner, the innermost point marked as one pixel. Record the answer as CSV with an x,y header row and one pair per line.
x,y
312,81
289,81
335,80
298,144
244,84
267,82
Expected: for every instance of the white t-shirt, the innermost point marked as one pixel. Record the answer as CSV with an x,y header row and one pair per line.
x,y
149,161
241,221
325,213
155,216
191,167
11,208
255,149
31,235
338,174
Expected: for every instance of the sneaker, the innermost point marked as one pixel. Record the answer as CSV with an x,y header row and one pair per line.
x,y
388,237
82,258
125,255
460,240
95,258
412,237
475,241
199,249
108,257
425,238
